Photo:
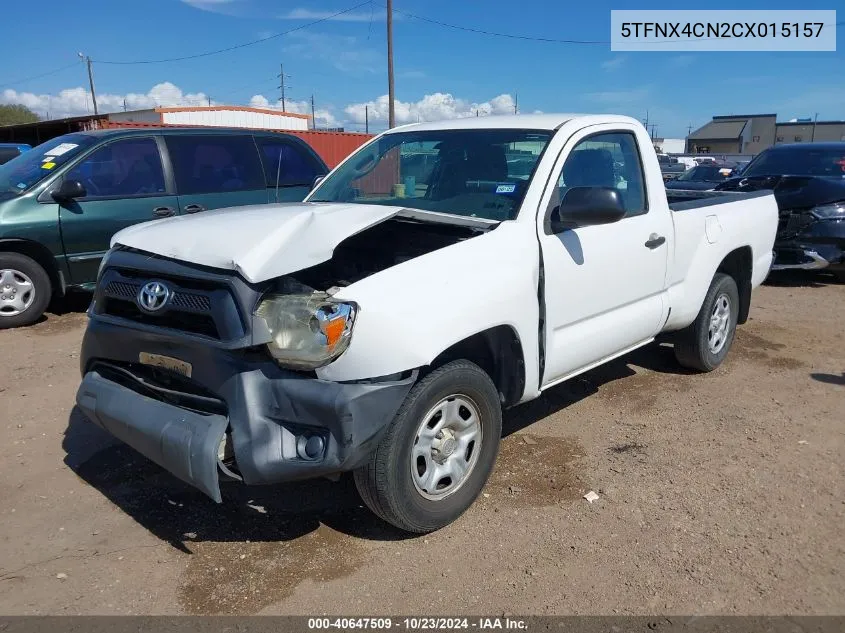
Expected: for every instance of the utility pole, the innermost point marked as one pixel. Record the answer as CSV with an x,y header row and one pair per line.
x,y
313,116
646,120
516,103
282,84
124,104
87,60
689,129
366,118
209,100
815,120
391,96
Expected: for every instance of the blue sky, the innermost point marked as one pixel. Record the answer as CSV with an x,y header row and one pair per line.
x,y
440,72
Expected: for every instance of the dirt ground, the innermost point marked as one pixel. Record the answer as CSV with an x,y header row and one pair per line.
x,y
719,493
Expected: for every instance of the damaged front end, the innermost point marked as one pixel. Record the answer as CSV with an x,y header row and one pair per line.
x,y
219,381
811,226
811,239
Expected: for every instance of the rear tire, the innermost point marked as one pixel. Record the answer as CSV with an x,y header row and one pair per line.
x,y
438,452
704,344
25,290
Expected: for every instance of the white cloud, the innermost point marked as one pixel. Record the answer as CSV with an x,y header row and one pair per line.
x,y
344,52
614,63
324,116
433,107
352,16
77,101
214,6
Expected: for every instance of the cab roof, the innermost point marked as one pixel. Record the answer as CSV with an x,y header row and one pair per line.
x,y
513,121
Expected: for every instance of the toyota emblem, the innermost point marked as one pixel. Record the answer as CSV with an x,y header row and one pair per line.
x,y
153,296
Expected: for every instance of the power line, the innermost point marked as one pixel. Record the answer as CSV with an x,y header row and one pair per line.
x,y
49,72
547,39
237,46
494,33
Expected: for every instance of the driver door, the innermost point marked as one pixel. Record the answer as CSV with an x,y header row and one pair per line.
x,y
604,284
125,184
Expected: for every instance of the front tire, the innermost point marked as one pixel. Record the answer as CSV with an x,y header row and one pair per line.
x,y
704,344
438,452
25,290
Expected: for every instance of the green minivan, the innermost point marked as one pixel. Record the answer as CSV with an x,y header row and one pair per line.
x,y
61,202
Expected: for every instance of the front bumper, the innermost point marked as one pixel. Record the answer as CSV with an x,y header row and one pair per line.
x,y
267,411
816,245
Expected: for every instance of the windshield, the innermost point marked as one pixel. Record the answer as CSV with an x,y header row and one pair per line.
x,y
706,173
477,173
27,170
798,161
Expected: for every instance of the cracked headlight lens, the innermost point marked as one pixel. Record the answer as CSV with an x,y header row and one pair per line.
x,y
308,331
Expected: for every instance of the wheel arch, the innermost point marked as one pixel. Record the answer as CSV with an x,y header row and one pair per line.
x,y
498,351
738,264
41,255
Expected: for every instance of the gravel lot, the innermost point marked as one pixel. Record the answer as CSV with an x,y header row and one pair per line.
x,y
719,493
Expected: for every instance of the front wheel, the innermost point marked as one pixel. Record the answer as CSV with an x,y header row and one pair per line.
x,y
25,290
704,344
438,452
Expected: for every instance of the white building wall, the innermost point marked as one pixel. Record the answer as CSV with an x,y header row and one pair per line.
x,y
136,116
235,118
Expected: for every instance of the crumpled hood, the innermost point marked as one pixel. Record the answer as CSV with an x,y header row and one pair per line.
x,y
259,242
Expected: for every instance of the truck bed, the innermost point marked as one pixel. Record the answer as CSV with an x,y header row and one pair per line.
x,y
686,199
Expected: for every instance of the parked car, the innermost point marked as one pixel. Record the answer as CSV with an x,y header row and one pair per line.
x,y
701,177
8,151
672,171
808,180
61,202
372,331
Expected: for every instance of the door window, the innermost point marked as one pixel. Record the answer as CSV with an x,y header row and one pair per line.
x,y
607,160
291,164
215,164
126,168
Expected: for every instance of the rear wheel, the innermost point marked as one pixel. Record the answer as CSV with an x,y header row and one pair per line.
x,y
438,452
25,290
704,344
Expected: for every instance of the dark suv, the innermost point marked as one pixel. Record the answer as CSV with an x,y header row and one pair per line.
x,y
61,202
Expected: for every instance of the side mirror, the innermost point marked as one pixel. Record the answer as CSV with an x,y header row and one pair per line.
x,y
69,190
586,206
317,181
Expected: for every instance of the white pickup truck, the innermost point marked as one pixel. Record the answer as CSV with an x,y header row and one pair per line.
x,y
441,273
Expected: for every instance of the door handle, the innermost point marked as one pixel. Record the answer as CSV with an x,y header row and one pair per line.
x,y
193,208
164,212
654,240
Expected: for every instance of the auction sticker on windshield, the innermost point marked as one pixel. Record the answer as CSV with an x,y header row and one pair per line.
x,y
62,148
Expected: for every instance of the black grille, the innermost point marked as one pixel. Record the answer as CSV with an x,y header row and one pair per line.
x,y
122,289
200,303
193,322
185,311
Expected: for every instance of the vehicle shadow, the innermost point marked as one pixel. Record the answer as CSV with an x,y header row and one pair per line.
x,y
830,379
178,514
798,279
75,301
657,357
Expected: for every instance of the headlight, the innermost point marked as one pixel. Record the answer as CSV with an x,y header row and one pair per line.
x,y
308,331
830,211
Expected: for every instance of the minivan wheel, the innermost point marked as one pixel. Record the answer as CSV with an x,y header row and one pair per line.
x,y
437,453
704,344
25,290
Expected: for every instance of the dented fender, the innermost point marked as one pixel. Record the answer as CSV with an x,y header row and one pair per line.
x,y
410,313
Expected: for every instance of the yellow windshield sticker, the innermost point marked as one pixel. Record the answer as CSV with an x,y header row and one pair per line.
x,y
47,165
